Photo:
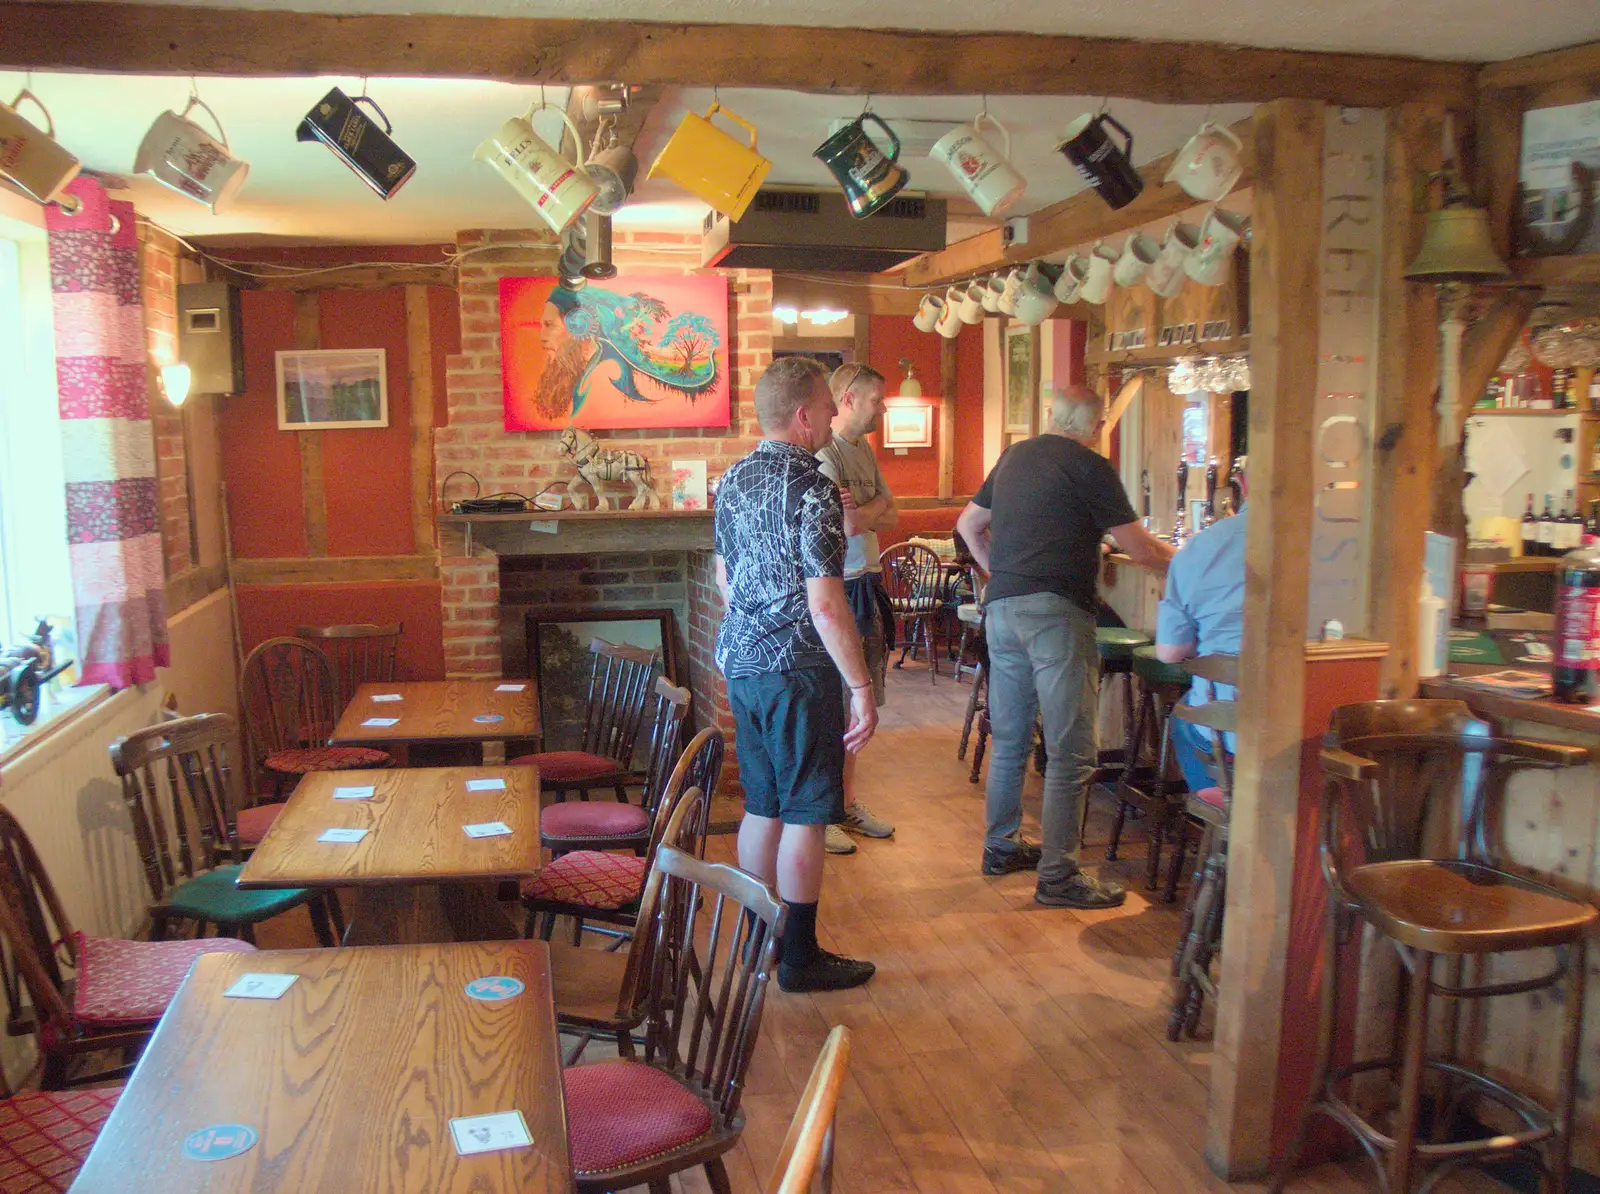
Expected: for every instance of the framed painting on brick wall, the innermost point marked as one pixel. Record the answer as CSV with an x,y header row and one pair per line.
x,y
640,352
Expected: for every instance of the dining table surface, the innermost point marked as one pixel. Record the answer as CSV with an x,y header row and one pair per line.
x,y
397,712
417,874
348,1081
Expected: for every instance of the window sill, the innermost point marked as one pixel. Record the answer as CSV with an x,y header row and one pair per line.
x,y
56,713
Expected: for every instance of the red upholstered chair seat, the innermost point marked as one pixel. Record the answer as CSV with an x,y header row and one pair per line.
x,y
131,982
620,1113
1211,796
254,822
591,878
326,758
45,1136
593,819
569,766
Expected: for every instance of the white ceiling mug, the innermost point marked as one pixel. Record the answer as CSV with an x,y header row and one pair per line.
x,y
928,312
1036,297
984,172
1097,281
1165,277
32,158
1208,166
1220,231
1139,253
1072,275
1008,296
557,189
950,325
971,309
991,288
180,154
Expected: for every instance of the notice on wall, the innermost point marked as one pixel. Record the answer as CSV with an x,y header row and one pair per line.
x,y
1552,139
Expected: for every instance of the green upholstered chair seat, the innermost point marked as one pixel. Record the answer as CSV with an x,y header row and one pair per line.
x,y
1152,671
1117,643
214,896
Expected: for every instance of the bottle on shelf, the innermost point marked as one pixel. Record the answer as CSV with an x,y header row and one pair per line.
x,y
1594,392
1560,388
1547,527
1591,525
1594,457
1571,536
1530,530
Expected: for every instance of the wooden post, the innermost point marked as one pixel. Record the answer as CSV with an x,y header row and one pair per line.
x,y
313,495
947,417
419,374
1284,273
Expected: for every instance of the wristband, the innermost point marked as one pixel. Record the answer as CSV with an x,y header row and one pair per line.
x,y
860,687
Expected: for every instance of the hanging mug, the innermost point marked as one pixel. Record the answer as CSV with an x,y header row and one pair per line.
x,y
1008,295
989,292
869,177
182,155
1072,276
1208,166
983,171
1220,231
950,325
1138,255
1103,164
1097,278
356,141
559,190
971,310
32,158
711,165
1165,277
1036,297
928,312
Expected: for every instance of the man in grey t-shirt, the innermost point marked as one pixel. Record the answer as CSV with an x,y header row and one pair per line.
x,y
848,462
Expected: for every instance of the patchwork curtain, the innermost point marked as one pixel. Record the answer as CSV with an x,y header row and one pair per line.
x,y
113,537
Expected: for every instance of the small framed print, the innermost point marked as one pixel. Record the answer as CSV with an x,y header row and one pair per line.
x,y
327,388
908,426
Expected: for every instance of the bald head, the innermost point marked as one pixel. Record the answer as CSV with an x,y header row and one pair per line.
x,y
1075,412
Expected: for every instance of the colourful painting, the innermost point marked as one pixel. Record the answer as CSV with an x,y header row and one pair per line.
x,y
689,485
645,352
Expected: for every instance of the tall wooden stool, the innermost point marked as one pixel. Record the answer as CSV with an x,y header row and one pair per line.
x,y
1115,645
1394,769
1161,686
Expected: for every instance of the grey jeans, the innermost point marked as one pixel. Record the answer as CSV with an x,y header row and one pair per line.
x,y
1042,657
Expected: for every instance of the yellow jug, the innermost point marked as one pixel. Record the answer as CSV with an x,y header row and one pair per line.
x,y
711,165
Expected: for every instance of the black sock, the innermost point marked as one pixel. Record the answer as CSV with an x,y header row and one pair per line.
x,y
799,947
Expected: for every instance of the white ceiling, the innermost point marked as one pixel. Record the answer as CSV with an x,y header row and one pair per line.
x,y
298,191
1467,30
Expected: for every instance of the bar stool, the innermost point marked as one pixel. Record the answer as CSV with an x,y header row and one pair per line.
x,y
1387,762
1161,686
1115,645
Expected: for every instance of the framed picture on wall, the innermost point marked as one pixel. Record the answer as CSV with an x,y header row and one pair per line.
x,y
908,424
559,659
1021,385
343,387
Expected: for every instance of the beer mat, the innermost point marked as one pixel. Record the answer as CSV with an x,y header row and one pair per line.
x,y
1510,682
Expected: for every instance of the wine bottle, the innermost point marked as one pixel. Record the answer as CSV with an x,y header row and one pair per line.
x,y
1530,530
1547,525
1572,536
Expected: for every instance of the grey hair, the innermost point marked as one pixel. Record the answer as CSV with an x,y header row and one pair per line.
x,y
1074,411
784,388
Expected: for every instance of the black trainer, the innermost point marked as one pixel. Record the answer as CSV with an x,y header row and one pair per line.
x,y
1078,890
825,972
1003,862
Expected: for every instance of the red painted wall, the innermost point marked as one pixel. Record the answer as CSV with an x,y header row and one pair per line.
x,y
269,610
261,464
916,474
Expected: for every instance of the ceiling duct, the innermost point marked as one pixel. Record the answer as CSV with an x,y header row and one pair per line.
x,y
792,228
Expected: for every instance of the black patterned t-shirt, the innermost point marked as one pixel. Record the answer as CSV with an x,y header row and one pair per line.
x,y
779,522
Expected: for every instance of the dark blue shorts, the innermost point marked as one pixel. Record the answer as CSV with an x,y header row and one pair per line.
x,y
789,736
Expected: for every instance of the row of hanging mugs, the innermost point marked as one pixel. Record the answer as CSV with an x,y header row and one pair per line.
x,y
1030,293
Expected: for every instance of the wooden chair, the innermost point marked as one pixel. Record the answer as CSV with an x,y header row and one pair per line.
x,y
604,885
911,576
118,991
602,991
359,654
807,1151
1398,773
620,684
177,769
1186,829
1148,788
289,702
45,1136
637,1122
616,824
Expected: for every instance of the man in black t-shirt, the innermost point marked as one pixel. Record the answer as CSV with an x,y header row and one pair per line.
x,y
1036,527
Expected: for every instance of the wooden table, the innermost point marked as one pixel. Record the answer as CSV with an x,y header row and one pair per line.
x,y
440,713
416,875
350,1080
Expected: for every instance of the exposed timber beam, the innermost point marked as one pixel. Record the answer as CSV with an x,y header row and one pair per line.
x,y
182,40
1536,70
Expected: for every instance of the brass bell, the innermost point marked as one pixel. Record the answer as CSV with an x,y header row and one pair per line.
x,y
1456,246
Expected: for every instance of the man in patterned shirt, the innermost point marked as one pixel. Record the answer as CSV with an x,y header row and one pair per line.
x,y
786,639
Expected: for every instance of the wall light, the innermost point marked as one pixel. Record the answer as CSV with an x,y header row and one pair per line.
x,y
175,380
786,314
824,316
910,387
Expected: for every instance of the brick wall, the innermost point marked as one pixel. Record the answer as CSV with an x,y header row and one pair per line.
x,y
159,287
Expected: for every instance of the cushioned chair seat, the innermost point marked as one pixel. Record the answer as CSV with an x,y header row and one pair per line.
x,y
45,1136
593,818
254,822
1117,643
591,878
621,1113
1153,671
1211,796
326,758
122,983
569,766
214,896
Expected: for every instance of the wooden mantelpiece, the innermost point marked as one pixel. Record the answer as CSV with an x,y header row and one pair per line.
x,y
566,532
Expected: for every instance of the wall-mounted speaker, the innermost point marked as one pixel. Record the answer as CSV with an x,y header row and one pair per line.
x,y
211,337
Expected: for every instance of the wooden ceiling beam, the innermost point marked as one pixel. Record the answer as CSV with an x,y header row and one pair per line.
x,y
1080,220
1537,70
182,40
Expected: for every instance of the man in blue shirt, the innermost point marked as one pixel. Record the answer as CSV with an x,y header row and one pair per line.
x,y
1202,613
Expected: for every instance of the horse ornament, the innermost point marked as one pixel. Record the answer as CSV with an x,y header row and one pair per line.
x,y
599,466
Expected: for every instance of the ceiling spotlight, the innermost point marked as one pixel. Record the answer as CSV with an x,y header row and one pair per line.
x,y
613,169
